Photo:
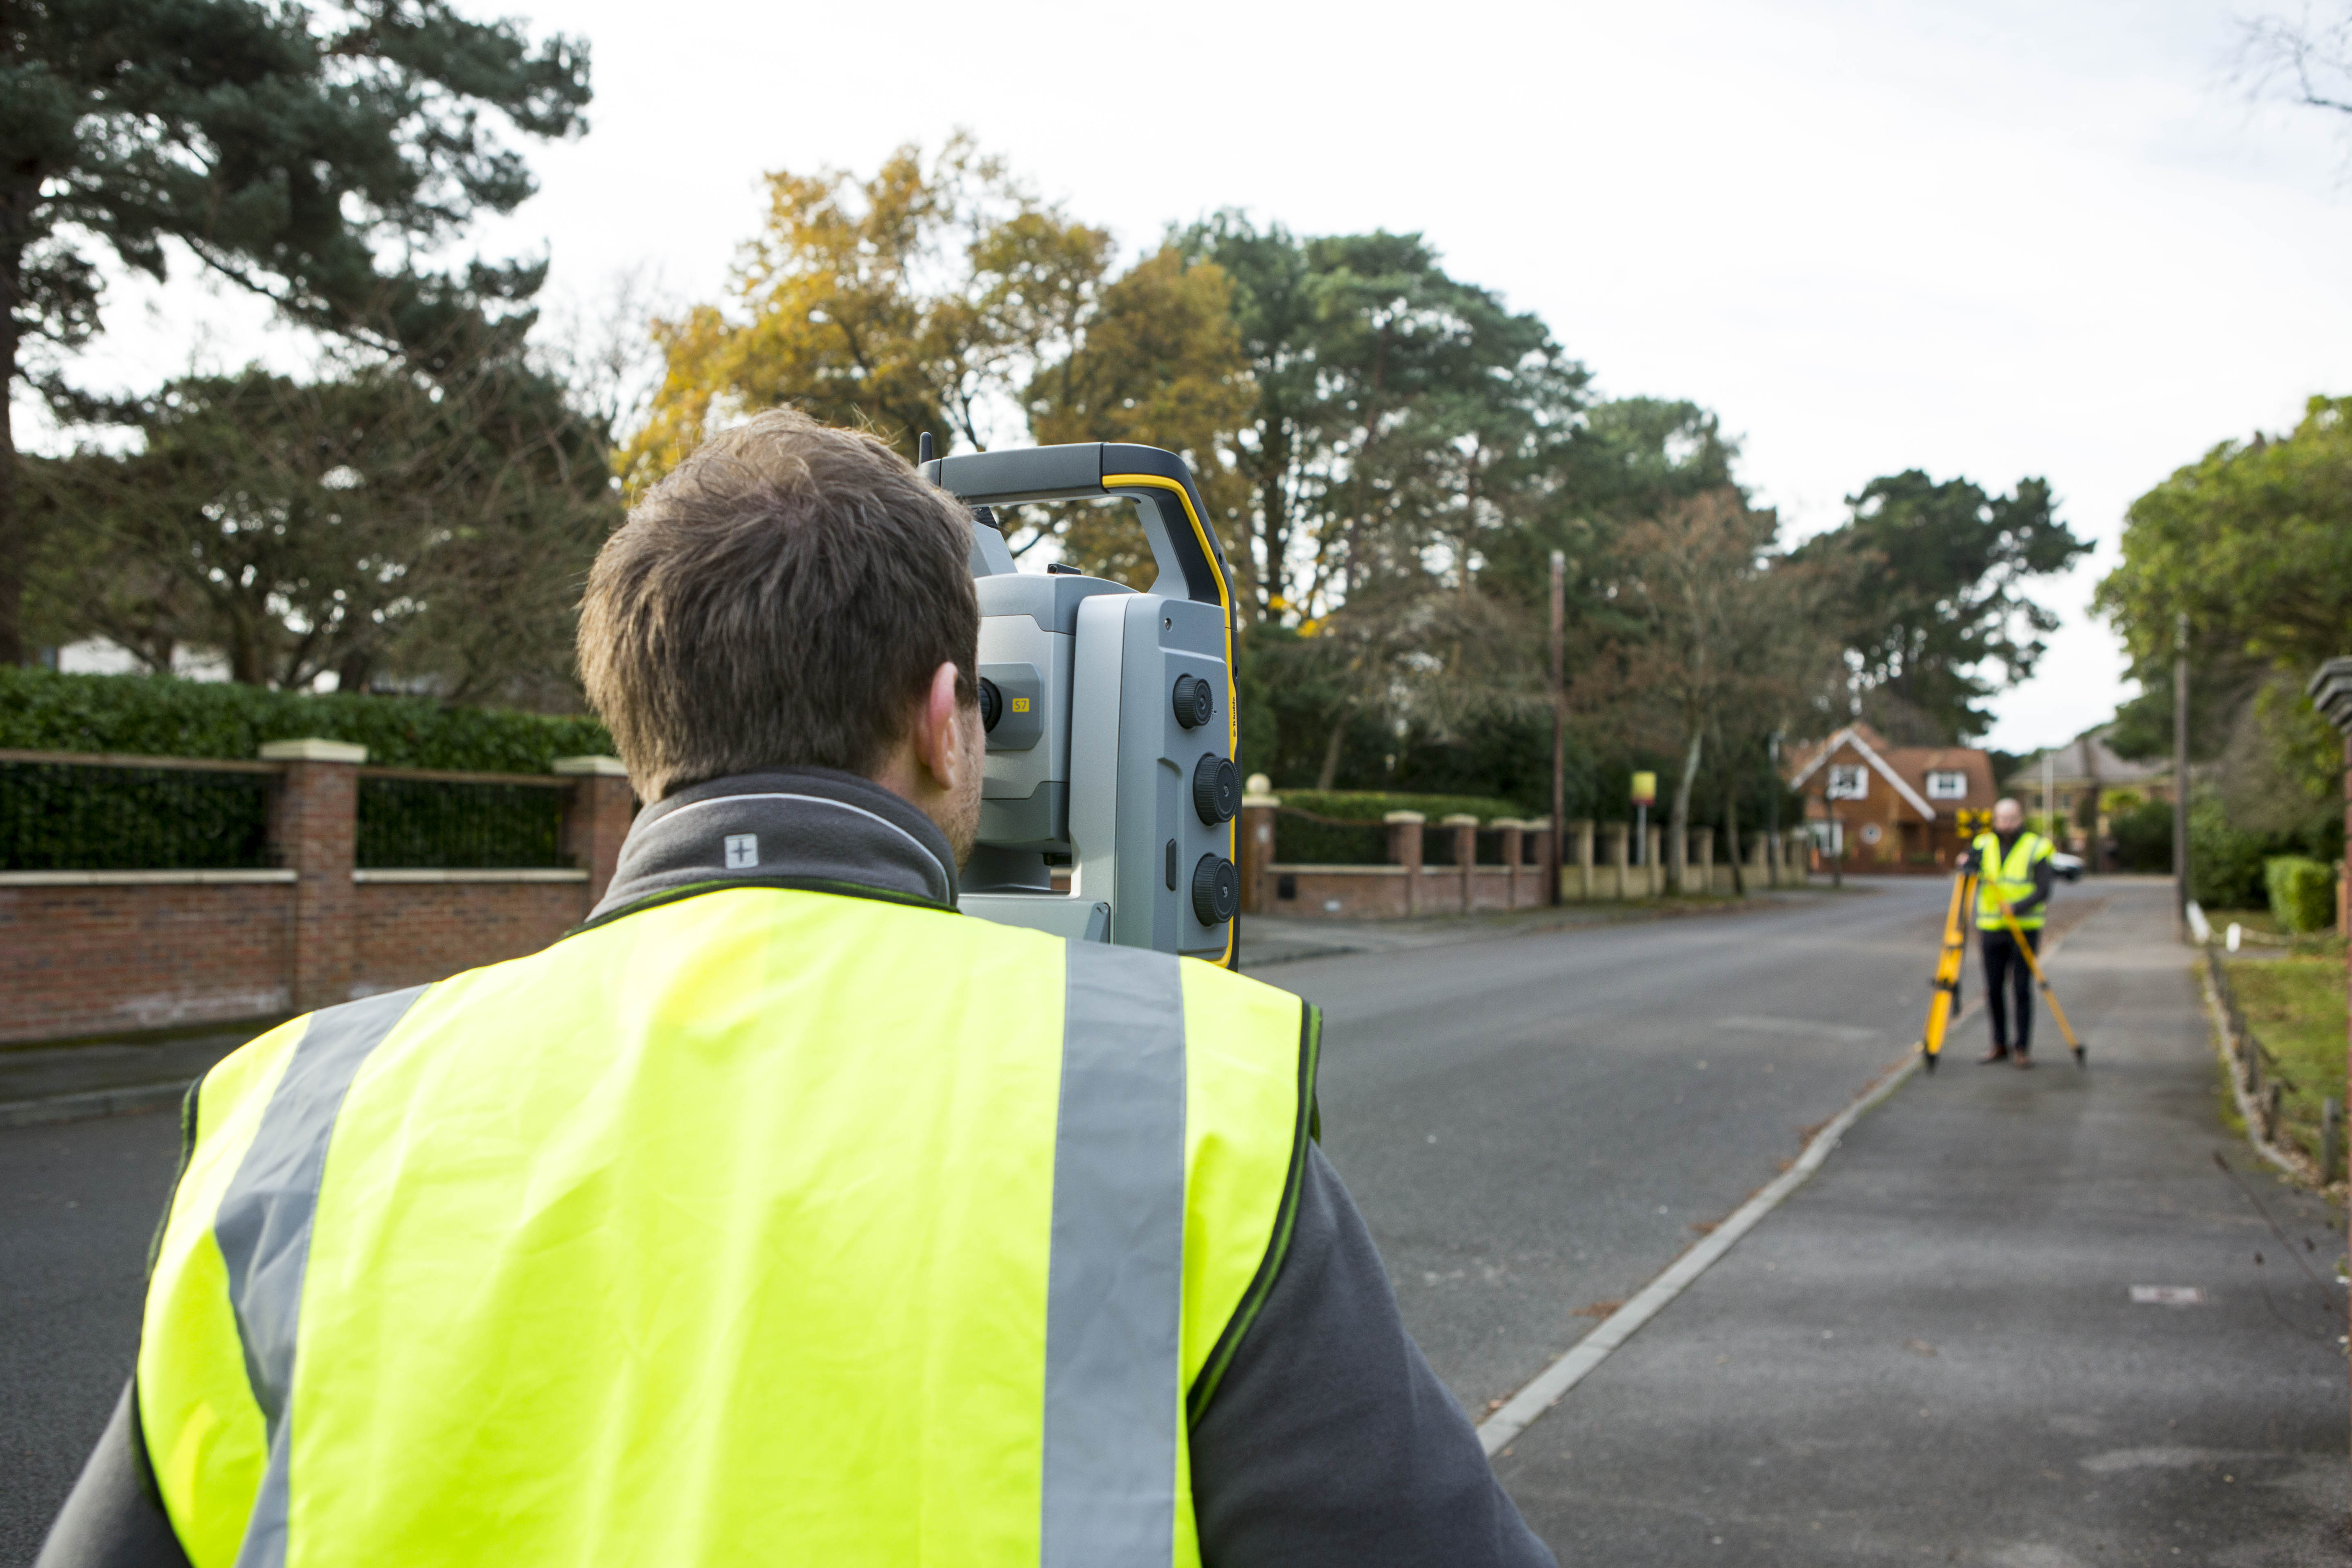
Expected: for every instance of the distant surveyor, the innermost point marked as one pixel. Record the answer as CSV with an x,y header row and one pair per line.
x,y
2014,868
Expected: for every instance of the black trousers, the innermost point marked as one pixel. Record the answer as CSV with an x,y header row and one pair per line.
x,y
2008,978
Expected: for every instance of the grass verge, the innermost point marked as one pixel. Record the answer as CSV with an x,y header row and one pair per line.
x,y
2295,1006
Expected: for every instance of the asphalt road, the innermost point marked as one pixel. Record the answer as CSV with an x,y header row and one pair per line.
x,y
1536,1126
78,1204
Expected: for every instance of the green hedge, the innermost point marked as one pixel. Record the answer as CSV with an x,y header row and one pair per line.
x,y
1371,805
2302,891
158,716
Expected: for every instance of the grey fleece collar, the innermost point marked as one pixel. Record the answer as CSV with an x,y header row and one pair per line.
x,y
795,827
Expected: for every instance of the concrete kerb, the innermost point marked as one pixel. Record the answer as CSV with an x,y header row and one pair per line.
x,y
87,1107
1553,1384
1451,930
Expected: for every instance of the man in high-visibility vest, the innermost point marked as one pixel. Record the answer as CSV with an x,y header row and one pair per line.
x,y
2012,866
781,1214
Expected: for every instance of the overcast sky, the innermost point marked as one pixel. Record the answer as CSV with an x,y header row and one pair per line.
x,y
1997,240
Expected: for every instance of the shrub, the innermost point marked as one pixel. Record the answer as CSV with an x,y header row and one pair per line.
x,y
2225,863
1371,805
2144,836
157,716
2302,891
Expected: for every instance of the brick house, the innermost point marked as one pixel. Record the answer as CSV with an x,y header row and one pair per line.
x,y
1891,808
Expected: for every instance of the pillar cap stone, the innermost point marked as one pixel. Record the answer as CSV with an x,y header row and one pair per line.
x,y
312,750
1543,824
1257,783
1507,822
600,767
2331,692
1403,817
1458,819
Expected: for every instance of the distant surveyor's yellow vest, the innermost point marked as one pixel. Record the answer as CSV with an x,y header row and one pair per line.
x,y
2010,879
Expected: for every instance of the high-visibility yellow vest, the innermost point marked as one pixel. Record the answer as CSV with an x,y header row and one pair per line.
x,y
2010,877
761,1226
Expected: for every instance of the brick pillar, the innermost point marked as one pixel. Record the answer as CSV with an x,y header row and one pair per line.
x,y
1405,849
596,818
1539,839
1259,804
1582,829
1620,835
316,831
1465,852
1513,833
1653,873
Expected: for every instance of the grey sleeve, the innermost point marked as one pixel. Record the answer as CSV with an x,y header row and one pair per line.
x,y
113,1518
1329,1443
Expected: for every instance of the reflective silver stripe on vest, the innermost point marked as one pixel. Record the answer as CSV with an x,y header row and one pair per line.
x,y
1114,1297
263,1229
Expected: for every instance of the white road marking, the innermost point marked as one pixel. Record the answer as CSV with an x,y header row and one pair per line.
x,y
2167,1296
1521,1410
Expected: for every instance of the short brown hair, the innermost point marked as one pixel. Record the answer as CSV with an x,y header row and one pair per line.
x,y
779,600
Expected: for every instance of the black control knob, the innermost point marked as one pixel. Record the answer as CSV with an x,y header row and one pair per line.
x,y
992,704
1217,890
1196,702
1216,789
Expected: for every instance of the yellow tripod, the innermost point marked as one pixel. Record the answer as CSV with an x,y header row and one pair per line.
x,y
1944,999
2009,916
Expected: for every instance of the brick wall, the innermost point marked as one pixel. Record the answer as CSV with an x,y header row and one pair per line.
x,y
410,933
86,960
90,952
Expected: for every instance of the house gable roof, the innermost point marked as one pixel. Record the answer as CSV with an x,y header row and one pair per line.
x,y
1852,736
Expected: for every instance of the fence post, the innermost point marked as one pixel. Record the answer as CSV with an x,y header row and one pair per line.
x,y
1465,850
1540,828
1405,849
1582,829
1653,873
1619,835
1514,832
1259,803
596,817
316,831
2331,1140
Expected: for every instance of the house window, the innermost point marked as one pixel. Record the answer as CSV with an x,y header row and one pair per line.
x,y
1953,786
1849,780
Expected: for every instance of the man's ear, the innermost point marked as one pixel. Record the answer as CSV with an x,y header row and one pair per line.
x,y
936,735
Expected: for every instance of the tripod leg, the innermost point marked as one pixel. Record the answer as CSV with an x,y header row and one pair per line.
x,y
2041,981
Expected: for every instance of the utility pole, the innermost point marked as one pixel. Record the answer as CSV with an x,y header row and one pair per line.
x,y
1559,719
2331,693
2050,799
2180,769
